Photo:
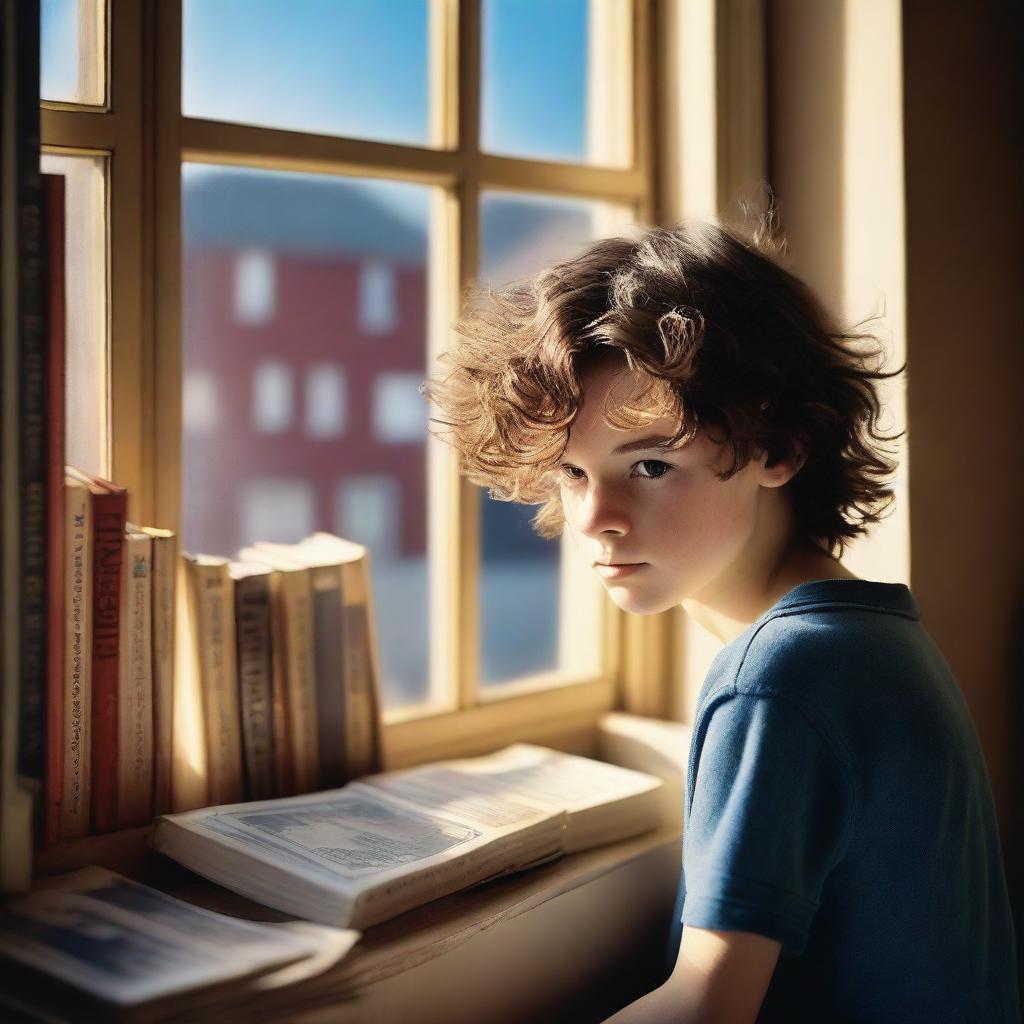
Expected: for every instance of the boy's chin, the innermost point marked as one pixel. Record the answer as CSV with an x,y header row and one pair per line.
x,y
640,604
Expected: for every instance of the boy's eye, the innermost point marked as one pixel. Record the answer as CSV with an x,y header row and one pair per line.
x,y
662,468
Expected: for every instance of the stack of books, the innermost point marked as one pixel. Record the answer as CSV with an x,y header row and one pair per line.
x,y
111,667
278,672
181,681
375,848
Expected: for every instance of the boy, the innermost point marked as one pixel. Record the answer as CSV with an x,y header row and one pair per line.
x,y
686,408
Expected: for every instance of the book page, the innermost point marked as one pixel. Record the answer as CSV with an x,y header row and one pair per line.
x,y
573,782
521,775
346,836
459,794
127,943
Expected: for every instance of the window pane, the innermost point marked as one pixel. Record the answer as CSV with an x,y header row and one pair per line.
x,y
72,61
297,416
86,370
523,581
556,80
334,67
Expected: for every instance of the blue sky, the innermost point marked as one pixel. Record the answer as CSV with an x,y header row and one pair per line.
x,y
359,67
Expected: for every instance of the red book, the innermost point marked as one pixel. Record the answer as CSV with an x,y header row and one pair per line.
x,y
53,185
109,512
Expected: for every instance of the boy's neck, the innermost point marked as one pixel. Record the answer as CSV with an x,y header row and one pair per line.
x,y
771,566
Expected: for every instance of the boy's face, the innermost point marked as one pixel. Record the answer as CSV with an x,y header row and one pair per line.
x,y
667,510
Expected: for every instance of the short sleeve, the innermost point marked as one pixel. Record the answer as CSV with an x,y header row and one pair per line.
x,y
768,819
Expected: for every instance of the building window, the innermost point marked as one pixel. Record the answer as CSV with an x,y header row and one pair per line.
x,y
272,398
378,310
399,410
255,287
199,402
276,509
326,401
367,509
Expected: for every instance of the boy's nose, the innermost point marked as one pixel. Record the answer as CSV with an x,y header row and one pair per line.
x,y
601,512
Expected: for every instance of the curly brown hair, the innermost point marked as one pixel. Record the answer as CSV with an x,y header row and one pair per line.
x,y
728,341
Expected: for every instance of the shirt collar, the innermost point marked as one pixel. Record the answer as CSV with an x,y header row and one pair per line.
x,y
890,597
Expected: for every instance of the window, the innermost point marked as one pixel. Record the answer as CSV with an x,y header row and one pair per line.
x,y
326,401
377,305
368,510
279,510
314,210
272,398
87,424
254,287
399,412
199,402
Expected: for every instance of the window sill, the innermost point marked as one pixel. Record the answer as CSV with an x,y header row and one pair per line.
x,y
588,928
561,939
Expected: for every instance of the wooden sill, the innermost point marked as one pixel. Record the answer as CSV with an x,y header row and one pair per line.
x,y
388,949
420,936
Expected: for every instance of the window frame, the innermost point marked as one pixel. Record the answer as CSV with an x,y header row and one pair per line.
x,y
147,139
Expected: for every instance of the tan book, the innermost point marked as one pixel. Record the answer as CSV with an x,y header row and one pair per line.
x,y
329,666
211,607
189,784
293,657
135,683
109,510
165,561
359,855
255,676
362,716
78,638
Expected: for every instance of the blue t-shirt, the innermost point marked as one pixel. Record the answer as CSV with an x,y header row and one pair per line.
x,y
837,800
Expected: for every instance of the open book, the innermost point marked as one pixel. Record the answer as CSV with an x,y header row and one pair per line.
x,y
359,855
93,945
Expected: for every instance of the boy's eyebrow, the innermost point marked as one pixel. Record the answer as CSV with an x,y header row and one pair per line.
x,y
653,441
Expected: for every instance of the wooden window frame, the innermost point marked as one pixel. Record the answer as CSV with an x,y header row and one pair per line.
x,y
147,139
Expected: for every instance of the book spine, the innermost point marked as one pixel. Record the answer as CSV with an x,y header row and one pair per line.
x,y
219,684
330,675
374,700
362,711
134,772
109,512
255,674
281,711
189,782
301,677
165,558
55,194
30,240
74,812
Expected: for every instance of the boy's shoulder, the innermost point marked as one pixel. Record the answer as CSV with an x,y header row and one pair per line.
x,y
819,631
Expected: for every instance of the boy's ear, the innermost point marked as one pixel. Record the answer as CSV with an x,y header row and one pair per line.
x,y
782,470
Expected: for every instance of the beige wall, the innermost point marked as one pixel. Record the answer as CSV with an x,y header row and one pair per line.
x,y
894,149
892,163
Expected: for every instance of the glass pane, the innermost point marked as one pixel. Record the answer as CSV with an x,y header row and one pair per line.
x,y
334,67
73,53
521,575
555,80
86,370
304,339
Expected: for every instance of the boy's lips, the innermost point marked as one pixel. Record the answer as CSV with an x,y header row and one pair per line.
x,y
613,570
